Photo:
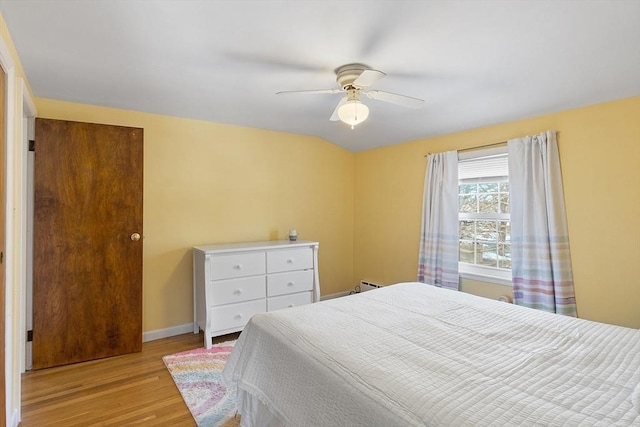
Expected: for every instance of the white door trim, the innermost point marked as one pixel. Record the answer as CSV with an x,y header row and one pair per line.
x,y
12,349
26,235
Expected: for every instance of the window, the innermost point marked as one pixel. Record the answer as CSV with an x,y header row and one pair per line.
x,y
485,227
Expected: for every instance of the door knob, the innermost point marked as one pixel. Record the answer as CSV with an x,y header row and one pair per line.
x,y
135,237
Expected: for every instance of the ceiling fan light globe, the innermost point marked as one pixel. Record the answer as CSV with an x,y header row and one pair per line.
x,y
353,112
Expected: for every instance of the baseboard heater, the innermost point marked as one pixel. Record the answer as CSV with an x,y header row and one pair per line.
x,y
368,286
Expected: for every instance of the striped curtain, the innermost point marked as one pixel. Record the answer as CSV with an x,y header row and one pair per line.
x,y
541,265
439,241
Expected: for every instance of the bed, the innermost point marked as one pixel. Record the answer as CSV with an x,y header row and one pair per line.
x,y
416,355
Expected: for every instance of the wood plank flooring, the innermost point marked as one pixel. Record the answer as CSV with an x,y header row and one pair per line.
x,y
135,389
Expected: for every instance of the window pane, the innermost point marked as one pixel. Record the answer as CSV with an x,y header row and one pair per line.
x,y
504,202
487,230
487,254
467,230
468,203
504,258
504,231
488,202
483,199
467,188
466,252
488,187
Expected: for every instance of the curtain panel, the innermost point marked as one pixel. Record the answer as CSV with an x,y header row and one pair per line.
x,y
440,236
541,263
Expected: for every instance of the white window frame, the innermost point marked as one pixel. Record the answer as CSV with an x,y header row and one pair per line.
x,y
480,272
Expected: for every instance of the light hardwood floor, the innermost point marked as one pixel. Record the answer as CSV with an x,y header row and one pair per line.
x,y
135,389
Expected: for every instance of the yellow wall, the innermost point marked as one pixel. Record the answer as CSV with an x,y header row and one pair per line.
x,y
207,182
212,183
600,159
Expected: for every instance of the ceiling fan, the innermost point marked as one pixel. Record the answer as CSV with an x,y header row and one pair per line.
x,y
354,80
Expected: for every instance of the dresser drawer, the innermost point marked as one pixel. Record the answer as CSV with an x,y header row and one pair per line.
x,y
288,260
238,290
237,265
288,301
289,282
236,315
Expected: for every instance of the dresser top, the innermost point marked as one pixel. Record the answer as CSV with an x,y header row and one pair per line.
x,y
254,246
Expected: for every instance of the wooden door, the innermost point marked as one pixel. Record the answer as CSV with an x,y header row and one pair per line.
x,y
87,252
3,282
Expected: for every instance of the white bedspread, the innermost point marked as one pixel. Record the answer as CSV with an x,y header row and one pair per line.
x,y
412,354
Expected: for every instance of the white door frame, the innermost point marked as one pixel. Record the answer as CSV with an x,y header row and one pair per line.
x,y
26,294
12,377
18,106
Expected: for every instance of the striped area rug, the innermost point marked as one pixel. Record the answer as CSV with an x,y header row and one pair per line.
x,y
197,374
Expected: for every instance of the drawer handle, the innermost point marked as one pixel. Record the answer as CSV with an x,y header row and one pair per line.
x,y
237,291
237,266
290,284
289,261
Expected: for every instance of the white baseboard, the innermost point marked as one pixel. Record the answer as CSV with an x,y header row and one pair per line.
x,y
167,332
332,296
188,327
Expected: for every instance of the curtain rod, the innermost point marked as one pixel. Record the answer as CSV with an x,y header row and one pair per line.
x,y
493,144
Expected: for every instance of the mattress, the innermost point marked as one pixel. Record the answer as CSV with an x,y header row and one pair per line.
x,y
416,355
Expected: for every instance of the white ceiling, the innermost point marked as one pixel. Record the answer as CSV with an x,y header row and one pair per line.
x,y
475,63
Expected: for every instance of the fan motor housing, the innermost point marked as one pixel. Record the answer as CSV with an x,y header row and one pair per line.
x,y
346,74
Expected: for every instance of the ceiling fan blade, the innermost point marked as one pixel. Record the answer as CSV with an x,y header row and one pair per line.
x,y
256,59
334,116
309,92
368,77
394,98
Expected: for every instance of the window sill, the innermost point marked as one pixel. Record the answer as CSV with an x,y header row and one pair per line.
x,y
476,273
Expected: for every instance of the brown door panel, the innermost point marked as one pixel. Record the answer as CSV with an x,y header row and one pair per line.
x,y
87,290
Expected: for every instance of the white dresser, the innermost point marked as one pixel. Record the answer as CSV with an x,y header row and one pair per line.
x,y
232,282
